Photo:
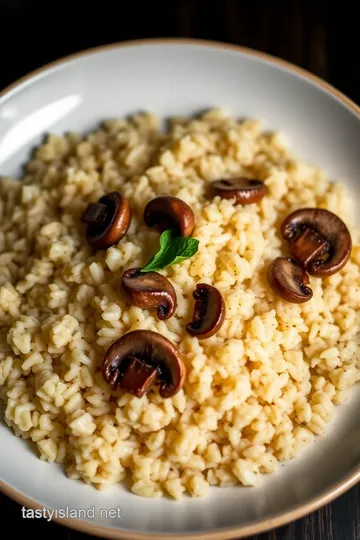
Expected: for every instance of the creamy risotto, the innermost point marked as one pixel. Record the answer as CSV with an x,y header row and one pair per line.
x,y
255,393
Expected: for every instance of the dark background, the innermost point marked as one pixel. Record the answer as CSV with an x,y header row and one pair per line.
x,y
321,36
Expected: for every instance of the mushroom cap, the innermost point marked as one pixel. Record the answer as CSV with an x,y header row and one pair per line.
x,y
154,350
289,280
245,190
170,213
150,290
113,227
209,312
331,228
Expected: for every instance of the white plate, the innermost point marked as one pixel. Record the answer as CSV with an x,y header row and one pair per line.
x,y
182,77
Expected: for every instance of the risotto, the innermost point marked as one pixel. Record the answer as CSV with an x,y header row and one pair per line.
x,y
255,393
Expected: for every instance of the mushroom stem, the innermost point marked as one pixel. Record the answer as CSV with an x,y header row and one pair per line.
x,y
95,214
138,377
307,247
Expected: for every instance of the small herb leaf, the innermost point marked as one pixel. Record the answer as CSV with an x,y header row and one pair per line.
x,y
186,248
173,250
167,237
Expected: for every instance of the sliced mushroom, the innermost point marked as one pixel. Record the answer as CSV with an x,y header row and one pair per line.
x,y
150,290
318,240
289,281
245,190
108,220
209,312
170,213
140,358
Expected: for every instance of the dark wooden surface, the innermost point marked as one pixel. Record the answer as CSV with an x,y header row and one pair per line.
x,y
319,35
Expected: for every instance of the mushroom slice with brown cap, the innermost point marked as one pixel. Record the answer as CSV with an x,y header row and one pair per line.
x,y
245,190
170,213
108,220
141,358
318,240
289,281
151,291
209,312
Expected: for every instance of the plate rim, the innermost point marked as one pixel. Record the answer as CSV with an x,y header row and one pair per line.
x,y
262,525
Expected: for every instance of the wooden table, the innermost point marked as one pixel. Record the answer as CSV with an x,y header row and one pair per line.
x,y
310,33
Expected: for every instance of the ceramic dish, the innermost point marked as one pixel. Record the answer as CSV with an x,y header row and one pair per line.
x,y
182,77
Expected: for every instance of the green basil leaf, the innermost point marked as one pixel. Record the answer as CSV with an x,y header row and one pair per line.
x,y
157,261
167,237
186,248
173,249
